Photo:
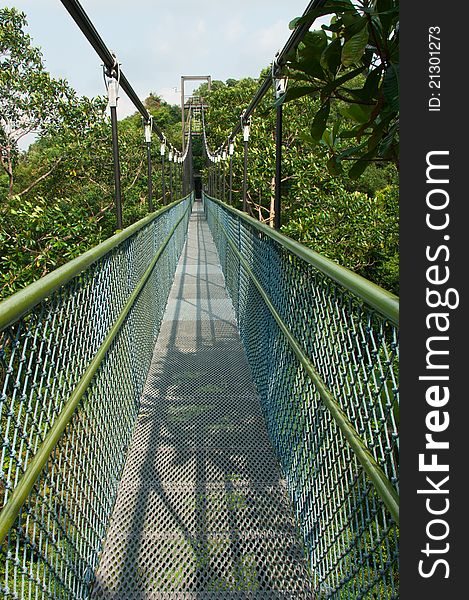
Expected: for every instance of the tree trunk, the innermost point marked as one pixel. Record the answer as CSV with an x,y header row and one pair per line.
x,y
9,170
272,203
5,159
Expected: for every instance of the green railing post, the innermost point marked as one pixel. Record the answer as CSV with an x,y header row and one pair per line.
x,y
322,344
224,174
170,158
279,92
163,183
231,152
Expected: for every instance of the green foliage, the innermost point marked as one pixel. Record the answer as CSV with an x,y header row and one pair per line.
x,y
58,196
37,237
61,199
351,64
354,223
354,230
31,100
64,202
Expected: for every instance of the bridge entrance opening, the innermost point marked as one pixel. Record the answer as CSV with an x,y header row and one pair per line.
x,y
198,188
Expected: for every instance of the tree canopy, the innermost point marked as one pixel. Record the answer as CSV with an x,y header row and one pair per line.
x,y
352,222
352,67
57,198
31,100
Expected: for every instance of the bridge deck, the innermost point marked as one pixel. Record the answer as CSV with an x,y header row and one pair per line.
x,y
202,511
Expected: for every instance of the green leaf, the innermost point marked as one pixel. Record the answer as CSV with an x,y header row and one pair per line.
x,y
306,137
354,24
391,86
313,45
320,121
357,112
377,133
310,67
372,82
294,23
389,142
328,138
360,165
293,93
329,8
388,13
329,88
353,150
334,26
354,48
330,58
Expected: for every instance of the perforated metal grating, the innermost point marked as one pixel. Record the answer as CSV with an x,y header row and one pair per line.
x,y
202,511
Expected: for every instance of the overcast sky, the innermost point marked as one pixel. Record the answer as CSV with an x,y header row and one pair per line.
x,y
157,41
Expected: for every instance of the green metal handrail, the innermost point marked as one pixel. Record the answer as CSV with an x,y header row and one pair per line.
x,y
322,344
19,303
381,482
14,307
75,349
383,301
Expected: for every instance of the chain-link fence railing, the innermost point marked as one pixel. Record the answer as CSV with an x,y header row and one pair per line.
x,y
75,348
322,344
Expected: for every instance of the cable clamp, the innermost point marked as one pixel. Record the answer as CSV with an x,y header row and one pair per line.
x,y
246,125
115,71
112,85
148,128
275,65
112,90
280,87
280,83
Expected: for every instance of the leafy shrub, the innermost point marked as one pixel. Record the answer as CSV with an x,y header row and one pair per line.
x,y
38,236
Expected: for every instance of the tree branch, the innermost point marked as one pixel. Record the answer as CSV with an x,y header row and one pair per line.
x,y
139,168
351,100
30,187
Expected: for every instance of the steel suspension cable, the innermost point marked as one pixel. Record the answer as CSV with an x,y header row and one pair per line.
x,y
219,155
281,58
85,24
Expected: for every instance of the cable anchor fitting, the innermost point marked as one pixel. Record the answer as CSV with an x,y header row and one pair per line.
x,y
148,128
246,125
112,84
280,83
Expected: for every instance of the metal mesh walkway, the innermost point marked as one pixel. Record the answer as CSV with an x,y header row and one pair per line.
x,y
202,511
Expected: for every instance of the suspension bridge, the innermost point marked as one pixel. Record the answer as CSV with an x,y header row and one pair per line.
x,y
199,407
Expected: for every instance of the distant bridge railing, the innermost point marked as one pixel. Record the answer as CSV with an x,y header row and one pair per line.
x,y
322,344
75,349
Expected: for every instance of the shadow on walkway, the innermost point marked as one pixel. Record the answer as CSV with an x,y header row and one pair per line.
x,y
202,511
